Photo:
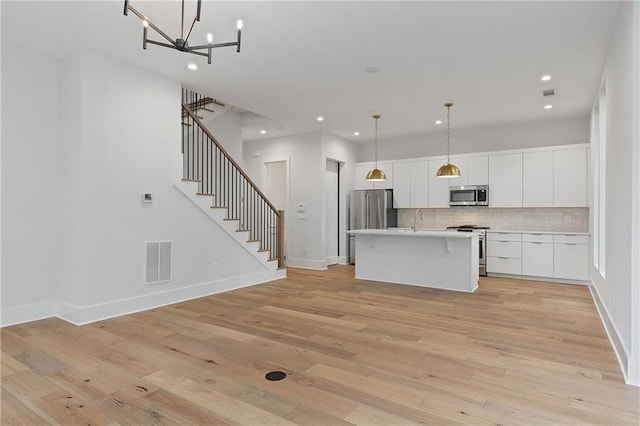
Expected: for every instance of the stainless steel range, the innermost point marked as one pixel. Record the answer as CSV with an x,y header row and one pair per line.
x,y
482,250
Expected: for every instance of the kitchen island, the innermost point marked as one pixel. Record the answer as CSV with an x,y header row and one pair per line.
x,y
435,259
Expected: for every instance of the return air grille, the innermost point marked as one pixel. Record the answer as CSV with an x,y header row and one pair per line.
x,y
158,261
548,92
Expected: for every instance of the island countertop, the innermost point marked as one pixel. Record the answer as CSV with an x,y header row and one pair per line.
x,y
412,233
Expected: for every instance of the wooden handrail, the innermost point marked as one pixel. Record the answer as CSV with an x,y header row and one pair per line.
x,y
226,154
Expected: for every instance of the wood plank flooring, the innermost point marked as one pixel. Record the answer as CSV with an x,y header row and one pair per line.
x,y
356,352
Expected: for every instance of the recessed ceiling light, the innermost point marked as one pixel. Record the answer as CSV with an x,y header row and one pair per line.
x,y
192,66
263,132
545,78
320,118
372,70
549,106
356,133
438,121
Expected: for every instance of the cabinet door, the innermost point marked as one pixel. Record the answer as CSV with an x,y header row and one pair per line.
x,y
463,165
570,261
570,177
419,184
537,259
360,174
478,170
438,187
402,185
505,180
387,168
537,179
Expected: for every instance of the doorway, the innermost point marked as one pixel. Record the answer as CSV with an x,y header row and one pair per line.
x,y
276,191
332,224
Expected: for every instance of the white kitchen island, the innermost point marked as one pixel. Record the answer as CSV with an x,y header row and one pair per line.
x,y
436,259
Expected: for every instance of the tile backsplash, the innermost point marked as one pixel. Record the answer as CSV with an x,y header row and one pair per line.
x,y
558,219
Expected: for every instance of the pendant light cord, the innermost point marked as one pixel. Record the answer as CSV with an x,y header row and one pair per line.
x,y
376,149
448,105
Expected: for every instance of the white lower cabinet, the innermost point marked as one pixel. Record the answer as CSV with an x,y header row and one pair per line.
x,y
553,256
537,255
571,257
504,253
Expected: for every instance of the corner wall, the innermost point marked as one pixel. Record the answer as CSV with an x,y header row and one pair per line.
x,y
306,155
617,293
119,130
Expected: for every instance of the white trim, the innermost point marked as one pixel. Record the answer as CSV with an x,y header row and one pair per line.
x,y
541,279
318,265
80,315
343,260
30,312
610,329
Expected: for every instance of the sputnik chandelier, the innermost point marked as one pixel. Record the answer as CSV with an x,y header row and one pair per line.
x,y
181,43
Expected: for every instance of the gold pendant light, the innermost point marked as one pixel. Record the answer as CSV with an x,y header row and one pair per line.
x,y
376,175
448,170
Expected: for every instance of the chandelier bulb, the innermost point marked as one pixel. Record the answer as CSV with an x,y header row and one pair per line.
x,y
209,38
239,24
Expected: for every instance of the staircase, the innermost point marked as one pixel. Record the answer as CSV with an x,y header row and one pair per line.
x,y
216,183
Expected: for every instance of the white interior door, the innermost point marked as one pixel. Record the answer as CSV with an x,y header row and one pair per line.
x,y
332,183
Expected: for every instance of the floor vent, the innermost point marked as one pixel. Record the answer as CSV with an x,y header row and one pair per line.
x,y
158,261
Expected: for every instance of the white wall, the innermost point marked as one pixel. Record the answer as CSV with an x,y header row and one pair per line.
x,y
527,134
617,293
119,131
30,176
306,156
227,129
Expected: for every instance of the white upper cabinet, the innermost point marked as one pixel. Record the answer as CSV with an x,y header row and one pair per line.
x,y
505,180
360,171
420,184
438,187
478,170
537,179
570,177
402,185
463,165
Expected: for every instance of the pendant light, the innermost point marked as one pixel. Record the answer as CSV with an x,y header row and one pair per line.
x,y
448,170
376,175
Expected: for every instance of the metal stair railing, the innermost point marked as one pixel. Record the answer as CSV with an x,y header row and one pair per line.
x,y
219,176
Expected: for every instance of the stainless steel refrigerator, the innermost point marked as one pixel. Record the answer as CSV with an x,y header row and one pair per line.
x,y
370,209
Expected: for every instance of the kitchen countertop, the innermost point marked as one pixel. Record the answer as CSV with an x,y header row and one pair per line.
x,y
538,232
406,232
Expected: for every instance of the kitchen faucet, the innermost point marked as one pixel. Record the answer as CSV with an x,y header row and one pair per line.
x,y
415,220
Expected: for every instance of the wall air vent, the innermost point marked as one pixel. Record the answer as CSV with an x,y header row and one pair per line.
x,y
549,92
158,261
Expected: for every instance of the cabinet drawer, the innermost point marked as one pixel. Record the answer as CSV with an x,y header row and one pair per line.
x,y
537,238
501,248
504,265
571,238
503,236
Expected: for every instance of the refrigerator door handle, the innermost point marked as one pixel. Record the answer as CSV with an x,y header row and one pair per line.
x,y
380,224
367,209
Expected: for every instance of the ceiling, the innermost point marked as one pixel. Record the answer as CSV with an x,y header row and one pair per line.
x,y
302,59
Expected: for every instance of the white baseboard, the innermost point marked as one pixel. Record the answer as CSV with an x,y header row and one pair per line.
x,y
80,315
612,333
541,279
343,260
318,265
25,313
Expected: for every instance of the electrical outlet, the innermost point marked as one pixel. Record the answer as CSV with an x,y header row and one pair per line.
x,y
518,217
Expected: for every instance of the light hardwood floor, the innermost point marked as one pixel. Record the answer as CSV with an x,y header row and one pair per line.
x,y
356,352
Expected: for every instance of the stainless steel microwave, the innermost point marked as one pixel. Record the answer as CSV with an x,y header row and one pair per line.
x,y
469,195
